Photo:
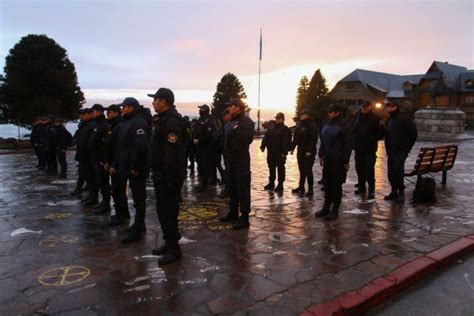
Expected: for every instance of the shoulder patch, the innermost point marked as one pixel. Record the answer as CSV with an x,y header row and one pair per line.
x,y
172,138
140,131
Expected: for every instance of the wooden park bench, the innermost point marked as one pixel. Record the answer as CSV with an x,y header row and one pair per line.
x,y
434,159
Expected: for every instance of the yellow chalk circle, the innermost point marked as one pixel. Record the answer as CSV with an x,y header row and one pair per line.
x,y
64,275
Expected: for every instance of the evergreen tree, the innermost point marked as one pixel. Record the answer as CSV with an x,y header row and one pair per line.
x,y
228,88
3,106
300,96
315,97
40,79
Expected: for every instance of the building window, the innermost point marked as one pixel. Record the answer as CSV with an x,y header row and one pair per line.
x,y
407,102
350,86
469,99
469,84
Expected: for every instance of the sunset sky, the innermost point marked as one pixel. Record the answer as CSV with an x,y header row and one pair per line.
x,y
130,48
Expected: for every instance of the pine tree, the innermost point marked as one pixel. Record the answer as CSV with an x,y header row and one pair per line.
x,y
300,96
315,98
40,79
228,88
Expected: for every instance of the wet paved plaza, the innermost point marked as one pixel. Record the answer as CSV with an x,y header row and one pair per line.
x,y
56,257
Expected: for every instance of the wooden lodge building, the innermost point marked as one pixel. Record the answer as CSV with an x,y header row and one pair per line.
x,y
443,86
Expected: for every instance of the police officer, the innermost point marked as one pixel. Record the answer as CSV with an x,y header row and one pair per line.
x,y
203,139
97,147
63,141
400,136
277,140
132,146
334,154
118,181
82,139
168,166
306,139
239,136
34,138
367,130
47,139
42,139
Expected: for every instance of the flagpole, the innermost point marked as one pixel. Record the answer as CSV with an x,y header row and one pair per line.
x,y
259,72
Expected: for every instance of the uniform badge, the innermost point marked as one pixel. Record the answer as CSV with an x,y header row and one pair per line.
x,y
140,131
172,138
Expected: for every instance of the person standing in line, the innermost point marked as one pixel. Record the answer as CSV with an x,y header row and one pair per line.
x,y
237,144
367,130
97,150
334,155
400,136
131,162
277,141
118,180
306,139
63,141
168,166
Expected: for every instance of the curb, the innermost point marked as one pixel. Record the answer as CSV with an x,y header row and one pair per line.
x,y
379,290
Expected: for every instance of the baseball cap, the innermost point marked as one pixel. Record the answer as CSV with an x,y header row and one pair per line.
x,y
97,107
165,94
129,101
114,108
280,115
237,102
204,107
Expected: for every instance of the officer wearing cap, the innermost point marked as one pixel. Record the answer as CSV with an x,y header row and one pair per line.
x,y
306,139
97,151
63,141
131,163
118,183
83,153
400,136
34,138
367,129
277,141
239,136
168,166
205,142
334,154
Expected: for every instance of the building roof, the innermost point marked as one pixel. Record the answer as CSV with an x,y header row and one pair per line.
x,y
450,72
385,82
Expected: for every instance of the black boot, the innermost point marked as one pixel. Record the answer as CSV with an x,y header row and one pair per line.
x,y
371,194
116,220
241,223
173,254
229,217
298,190
310,193
91,201
132,234
77,190
279,187
62,175
333,214
269,186
360,190
160,251
104,209
400,197
325,210
391,196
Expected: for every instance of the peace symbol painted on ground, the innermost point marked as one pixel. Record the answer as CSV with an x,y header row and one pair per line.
x,y
58,215
64,275
193,218
53,241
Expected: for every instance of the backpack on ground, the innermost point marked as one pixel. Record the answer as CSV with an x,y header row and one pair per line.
x,y
424,190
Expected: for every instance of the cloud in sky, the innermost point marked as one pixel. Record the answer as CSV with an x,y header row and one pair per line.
x,y
188,46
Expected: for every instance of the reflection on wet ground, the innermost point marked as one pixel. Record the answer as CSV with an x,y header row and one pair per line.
x,y
56,256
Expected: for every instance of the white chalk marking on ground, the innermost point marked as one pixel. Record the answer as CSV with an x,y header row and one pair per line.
x,y
468,223
138,279
211,268
356,211
185,240
63,181
146,257
362,201
137,289
279,253
466,276
408,240
364,245
260,266
335,251
23,230
194,281
81,288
